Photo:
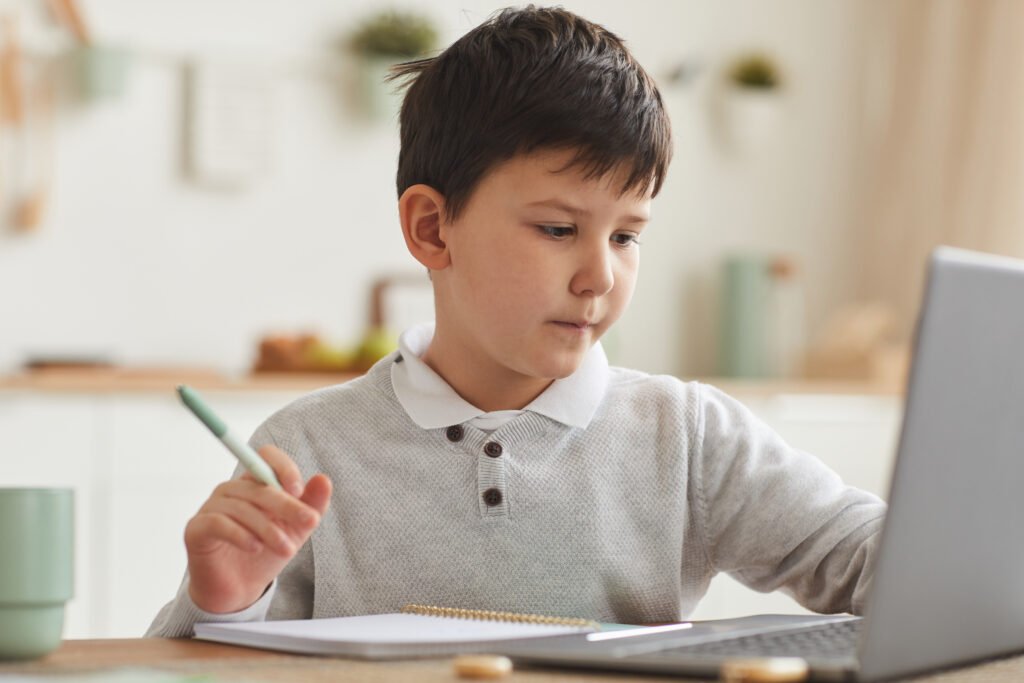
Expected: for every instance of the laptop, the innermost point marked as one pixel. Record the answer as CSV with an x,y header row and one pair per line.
x,y
948,587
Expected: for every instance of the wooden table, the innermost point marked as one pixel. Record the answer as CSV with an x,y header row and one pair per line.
x,y
232,664
236,664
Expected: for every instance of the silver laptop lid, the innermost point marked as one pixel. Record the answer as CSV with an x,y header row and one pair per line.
x,y
949,583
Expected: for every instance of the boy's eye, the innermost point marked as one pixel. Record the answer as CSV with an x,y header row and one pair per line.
x,y
625,239
555,230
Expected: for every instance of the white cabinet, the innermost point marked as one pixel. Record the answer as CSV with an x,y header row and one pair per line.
x,y
854,435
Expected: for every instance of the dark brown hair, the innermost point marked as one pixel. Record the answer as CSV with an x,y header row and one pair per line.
x,y
529,79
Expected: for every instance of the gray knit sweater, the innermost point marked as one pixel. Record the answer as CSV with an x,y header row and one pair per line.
x,y
625,521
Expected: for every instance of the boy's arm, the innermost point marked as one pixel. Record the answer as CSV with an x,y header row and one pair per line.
x,y
289,596
778,518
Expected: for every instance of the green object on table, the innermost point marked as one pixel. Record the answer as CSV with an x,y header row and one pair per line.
x,y
36,569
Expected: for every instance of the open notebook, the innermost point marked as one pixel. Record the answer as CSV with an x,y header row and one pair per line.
x,y
433,632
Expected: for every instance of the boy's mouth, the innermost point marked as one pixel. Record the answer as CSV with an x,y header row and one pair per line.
x,y
580,325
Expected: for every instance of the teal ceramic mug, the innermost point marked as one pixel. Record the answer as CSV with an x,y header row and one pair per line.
x,y
36,568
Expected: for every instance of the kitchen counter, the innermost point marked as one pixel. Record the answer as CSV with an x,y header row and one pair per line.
x,y
161,379
101,380
806,385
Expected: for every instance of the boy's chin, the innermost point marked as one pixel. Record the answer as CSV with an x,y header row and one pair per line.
x,y
559,368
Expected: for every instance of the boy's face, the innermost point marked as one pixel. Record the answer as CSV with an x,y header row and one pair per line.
x,y
542,263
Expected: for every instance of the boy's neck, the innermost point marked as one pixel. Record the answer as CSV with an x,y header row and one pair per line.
x,y
482,385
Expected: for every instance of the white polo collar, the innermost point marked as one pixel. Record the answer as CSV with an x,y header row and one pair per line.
x,y
432,403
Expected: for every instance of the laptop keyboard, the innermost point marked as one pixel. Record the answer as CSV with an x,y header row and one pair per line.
x,y
826,641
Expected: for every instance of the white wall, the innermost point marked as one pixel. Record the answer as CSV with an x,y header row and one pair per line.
x,y
136,261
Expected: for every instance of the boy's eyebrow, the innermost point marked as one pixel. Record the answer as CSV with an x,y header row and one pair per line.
x,y
580,211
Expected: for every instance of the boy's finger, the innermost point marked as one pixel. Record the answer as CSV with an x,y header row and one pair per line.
x,y
271,503
208,526
256,522
318,493
284,467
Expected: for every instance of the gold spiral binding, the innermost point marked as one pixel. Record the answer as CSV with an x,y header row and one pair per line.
x,y
488,615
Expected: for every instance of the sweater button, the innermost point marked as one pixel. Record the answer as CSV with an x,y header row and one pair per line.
x,y
492,449
454,433
492,497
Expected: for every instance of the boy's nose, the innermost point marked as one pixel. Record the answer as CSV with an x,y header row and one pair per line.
x,y
594,276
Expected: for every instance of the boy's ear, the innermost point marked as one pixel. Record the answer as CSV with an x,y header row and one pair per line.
x,y
421,209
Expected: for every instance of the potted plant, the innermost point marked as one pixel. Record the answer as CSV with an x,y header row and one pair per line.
x,y
753,83
385,39
755,71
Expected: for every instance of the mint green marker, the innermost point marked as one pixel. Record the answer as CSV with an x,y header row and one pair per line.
x,y
240,449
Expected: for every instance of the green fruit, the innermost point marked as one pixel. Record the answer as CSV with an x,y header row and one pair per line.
x,y
377,343
326,357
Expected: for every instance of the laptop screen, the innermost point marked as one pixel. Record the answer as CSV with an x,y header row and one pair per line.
x,y
949,581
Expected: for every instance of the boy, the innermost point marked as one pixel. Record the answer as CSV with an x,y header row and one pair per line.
x,y
496,461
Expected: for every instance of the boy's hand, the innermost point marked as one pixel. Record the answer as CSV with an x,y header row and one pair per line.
x,y
246,532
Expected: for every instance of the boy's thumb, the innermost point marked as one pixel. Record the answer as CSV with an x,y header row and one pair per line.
x,y
318,493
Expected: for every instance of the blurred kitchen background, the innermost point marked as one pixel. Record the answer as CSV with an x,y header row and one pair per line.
x,y
204,191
